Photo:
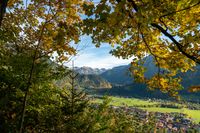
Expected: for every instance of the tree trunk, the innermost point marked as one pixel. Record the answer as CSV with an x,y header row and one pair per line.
x,y
3,5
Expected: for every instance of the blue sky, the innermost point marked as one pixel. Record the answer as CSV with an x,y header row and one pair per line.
x,y
89,55
94,57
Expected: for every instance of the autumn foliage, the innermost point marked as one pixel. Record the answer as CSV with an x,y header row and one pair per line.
x,y
35,33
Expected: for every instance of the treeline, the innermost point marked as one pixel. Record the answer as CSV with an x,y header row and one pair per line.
x,y
50,108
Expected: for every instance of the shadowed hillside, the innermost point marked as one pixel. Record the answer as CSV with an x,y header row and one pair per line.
x,y
93,81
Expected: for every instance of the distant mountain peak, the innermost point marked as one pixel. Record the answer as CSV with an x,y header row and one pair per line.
x,y
89,71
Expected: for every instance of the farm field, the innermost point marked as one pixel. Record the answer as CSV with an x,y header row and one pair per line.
x,y
120,101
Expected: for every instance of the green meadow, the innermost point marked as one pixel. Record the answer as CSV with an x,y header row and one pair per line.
x,y
120,101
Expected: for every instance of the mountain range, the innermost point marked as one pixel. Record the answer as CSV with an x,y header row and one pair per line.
x,y
89,71
118,81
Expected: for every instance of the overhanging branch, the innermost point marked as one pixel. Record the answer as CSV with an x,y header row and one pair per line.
x,y
179,46
174,12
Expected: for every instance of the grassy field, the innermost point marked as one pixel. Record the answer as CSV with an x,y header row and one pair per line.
x,y
163,110
194,114
118,101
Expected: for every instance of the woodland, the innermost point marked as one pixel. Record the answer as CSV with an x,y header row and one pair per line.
x,y
38,36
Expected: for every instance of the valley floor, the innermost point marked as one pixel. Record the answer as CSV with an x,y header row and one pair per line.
x,y
170,115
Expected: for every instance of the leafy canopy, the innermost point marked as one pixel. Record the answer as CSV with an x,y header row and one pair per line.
x,y
31,31
167,30
45,26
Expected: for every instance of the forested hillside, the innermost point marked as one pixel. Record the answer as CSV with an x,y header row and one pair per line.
x,y
93,81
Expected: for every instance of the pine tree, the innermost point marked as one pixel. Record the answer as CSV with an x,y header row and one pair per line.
x,y
75,101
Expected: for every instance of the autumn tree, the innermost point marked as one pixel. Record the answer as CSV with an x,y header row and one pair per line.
x,y
167,30
33,31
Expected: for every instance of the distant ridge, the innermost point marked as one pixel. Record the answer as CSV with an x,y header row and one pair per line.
x,y
89,71
121,83
121,74
118,75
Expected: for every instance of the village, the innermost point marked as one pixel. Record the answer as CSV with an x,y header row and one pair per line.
x,y
171,122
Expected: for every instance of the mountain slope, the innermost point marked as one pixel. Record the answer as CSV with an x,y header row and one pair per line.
x,y
131,90
119,82
127,87
93,81
118,75
121,74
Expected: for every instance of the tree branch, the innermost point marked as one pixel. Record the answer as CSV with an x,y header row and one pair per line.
x,y
174,12
29,82
179,46
154,55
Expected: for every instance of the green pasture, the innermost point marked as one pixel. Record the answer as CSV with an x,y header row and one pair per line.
x,y
119,101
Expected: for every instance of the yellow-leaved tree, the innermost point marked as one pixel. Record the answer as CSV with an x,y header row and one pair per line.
x,y
164,29
37,30
33,30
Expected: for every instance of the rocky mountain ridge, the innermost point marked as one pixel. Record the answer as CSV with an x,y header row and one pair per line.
x,y
89,71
